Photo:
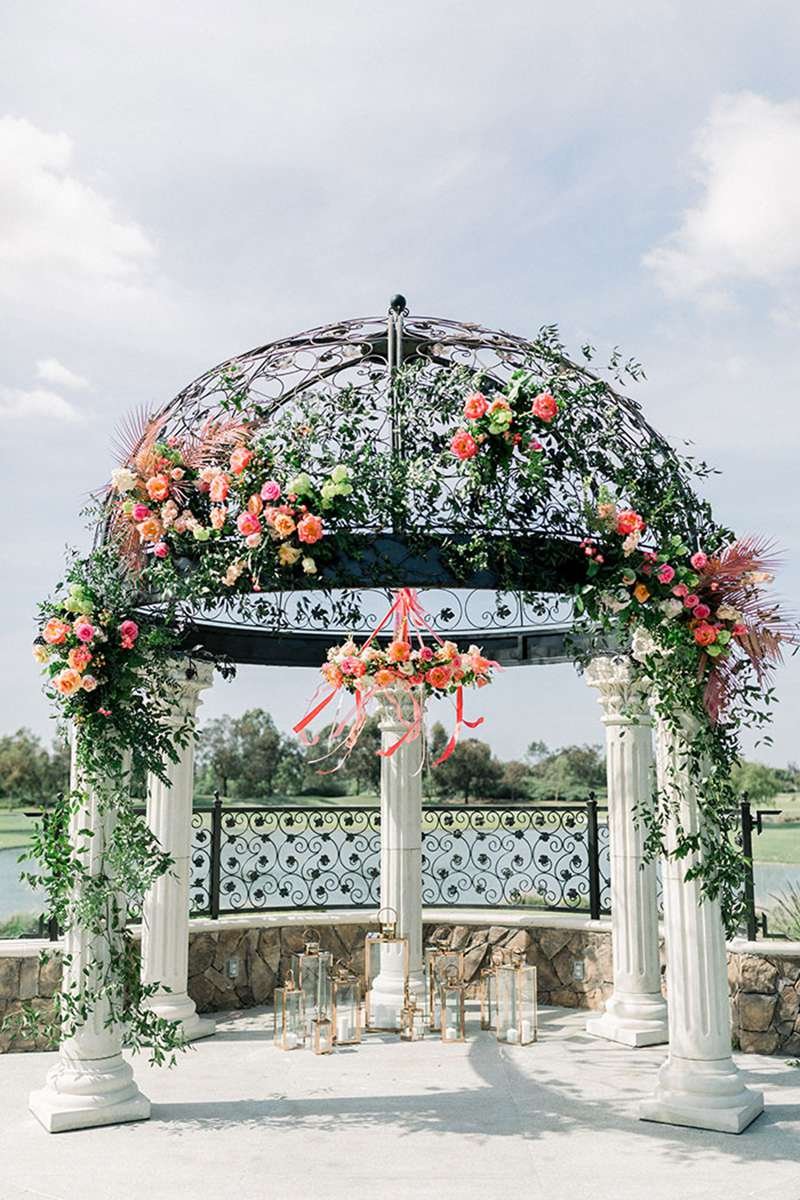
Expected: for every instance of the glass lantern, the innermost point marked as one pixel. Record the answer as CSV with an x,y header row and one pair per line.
x,y
517,1018
440,962
453,1005
412,1020
290,1017
346,990
385,953
322,1034
312,970
489,991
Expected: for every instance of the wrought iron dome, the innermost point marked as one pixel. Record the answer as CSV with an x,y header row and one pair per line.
x,y
400,374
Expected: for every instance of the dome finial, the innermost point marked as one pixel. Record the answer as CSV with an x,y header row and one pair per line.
x,y
397,304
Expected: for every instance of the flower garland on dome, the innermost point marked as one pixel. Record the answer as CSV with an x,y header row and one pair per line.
x,y
240,507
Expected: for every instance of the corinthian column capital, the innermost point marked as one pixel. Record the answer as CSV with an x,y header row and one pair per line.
x,y
623,693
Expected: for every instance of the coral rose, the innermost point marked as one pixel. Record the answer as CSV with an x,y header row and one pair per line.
x,y
150,530
67,682
705,635
157,487
218,488
309,529
240,459
475,406
384,677
247,523
438,677
544,407
399,652
55,631
629,521
463,445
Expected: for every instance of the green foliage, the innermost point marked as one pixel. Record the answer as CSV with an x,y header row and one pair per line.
x,y
471,772
29,773
759,781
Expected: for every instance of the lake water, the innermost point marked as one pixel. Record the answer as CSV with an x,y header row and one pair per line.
x,y
17,897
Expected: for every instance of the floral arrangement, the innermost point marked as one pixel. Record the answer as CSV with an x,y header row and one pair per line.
x,y
497,425
401,671
170,501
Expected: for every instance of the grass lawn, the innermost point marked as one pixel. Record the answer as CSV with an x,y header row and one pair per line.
x,y
15,829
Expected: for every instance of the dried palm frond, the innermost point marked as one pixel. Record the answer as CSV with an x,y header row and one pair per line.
x,y
211,440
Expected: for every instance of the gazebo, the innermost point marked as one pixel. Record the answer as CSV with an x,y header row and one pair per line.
x,y
362,425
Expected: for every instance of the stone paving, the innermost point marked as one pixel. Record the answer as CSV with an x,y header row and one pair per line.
x,y
239,1120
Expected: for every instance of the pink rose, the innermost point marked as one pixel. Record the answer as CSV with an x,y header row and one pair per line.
x,y
349,665
140,512
680,590
426,654
84,630
475,406
691,601
248,523
89,683
544,407
536,446
161,550
128,632
271,491
699,560
665,573
701,611
464,445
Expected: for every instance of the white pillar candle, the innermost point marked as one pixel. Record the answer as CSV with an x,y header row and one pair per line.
x,y
526,1031
450,1033
511,1034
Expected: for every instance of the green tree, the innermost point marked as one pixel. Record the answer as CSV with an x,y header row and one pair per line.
x,y
363,765
471,771
29,772
218,753
568,773
757,779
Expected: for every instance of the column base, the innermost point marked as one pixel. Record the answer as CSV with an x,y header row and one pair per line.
x,y
388,995
703,1095
181,1009
84,1093
632,1021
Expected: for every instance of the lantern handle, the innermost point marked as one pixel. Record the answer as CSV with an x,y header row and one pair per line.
x,y
391,919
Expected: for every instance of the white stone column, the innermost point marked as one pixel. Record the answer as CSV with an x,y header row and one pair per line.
x,y
699,1084
165,915
401,864
91,1084
635,1013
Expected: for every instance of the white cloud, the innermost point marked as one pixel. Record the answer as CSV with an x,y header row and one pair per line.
x,y
746,225
36,404
53,371
53,222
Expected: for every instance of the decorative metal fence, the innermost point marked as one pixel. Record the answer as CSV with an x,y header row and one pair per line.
x,y
269,858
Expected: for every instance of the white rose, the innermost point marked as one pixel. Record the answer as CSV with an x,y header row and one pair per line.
x,y
309,566
123,480
671,608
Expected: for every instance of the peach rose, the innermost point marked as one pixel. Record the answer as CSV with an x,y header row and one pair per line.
x,y
240,459
283,524
55,631
219,488
150,530
438,677
67,682
218,514
157,487
384,677
310,529
288,555
629,521
79,658
89,683
463,445
255,504
399,652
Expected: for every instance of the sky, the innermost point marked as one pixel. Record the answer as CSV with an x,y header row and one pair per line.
x,y
179,183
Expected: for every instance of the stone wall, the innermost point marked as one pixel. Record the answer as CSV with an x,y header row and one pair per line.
x,y
233,966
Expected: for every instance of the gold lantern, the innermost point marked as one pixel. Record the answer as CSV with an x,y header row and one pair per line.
x,y
412,1019
346,990
439,962
489,991
312,970
453,1006
290,1017
322,1034
517,1013
385,952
